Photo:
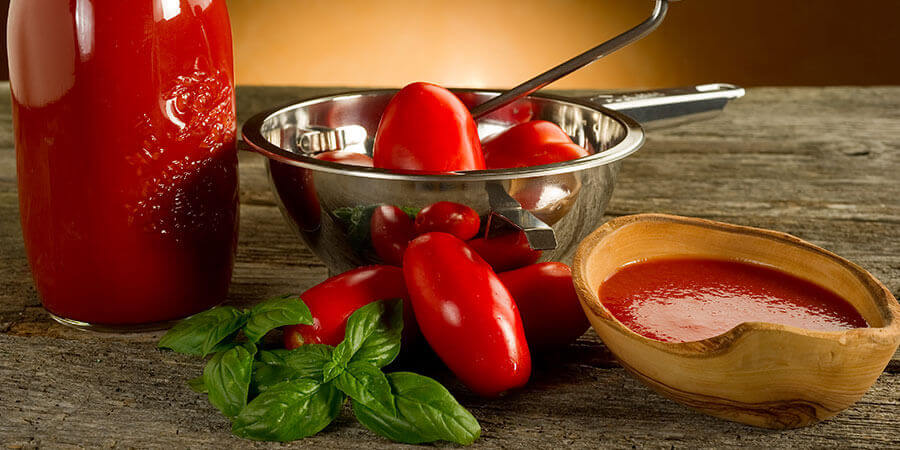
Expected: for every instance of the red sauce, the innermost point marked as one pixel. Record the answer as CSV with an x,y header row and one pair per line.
x,y
681,300
125,143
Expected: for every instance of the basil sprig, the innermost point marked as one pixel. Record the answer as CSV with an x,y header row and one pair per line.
x,y
284,395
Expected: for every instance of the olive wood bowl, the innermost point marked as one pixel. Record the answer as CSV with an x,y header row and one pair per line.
x,y
762,374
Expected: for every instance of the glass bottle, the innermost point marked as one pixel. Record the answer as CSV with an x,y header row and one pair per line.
x,y
124,119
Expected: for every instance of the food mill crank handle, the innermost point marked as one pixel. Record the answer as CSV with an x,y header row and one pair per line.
x,y
507,210
663,108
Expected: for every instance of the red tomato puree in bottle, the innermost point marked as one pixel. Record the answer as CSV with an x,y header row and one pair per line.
x,y
681,300
125,146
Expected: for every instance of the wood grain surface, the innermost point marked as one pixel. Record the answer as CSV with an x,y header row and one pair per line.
x,y
819,163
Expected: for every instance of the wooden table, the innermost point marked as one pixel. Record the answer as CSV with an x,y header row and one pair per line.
x,y
819,163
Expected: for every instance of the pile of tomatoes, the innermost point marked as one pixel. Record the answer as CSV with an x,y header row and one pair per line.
x,y
483,305
426,128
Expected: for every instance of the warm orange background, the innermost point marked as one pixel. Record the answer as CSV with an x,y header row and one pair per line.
x,y
498,43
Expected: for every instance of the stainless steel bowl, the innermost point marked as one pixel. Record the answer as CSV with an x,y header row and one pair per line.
x,y
556,205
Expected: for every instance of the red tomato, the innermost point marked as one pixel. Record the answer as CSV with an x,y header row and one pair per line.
x,y
332,301
530,144
466,314
506,252
548,304
391,229
426,128
346,157
448,217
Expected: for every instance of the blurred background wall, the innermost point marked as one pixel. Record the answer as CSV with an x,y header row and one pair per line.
x,y
498,43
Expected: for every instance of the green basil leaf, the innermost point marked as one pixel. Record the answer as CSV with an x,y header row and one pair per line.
x,y
308,358
383,343
197,385
274,313
200,333
411,211
367,385
393,426
361,226
268,375
280,365
274,356
227,378
356,220
331,370
226,344
342,355
372,334
288,411
426,412
344,215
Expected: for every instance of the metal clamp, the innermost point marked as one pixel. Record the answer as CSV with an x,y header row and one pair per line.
x,y
324,139
540,235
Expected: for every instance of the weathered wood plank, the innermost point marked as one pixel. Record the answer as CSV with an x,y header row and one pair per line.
x,y
819,163
53,396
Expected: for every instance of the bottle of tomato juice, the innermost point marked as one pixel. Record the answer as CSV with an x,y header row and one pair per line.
x,y
124,120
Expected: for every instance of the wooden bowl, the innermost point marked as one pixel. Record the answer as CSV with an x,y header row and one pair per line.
x,y
761,374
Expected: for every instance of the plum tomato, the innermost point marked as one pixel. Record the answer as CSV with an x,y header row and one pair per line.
x,y
548,304
391,229
448,217
332,301
426,128
346,157
466,314
530,144
506,252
